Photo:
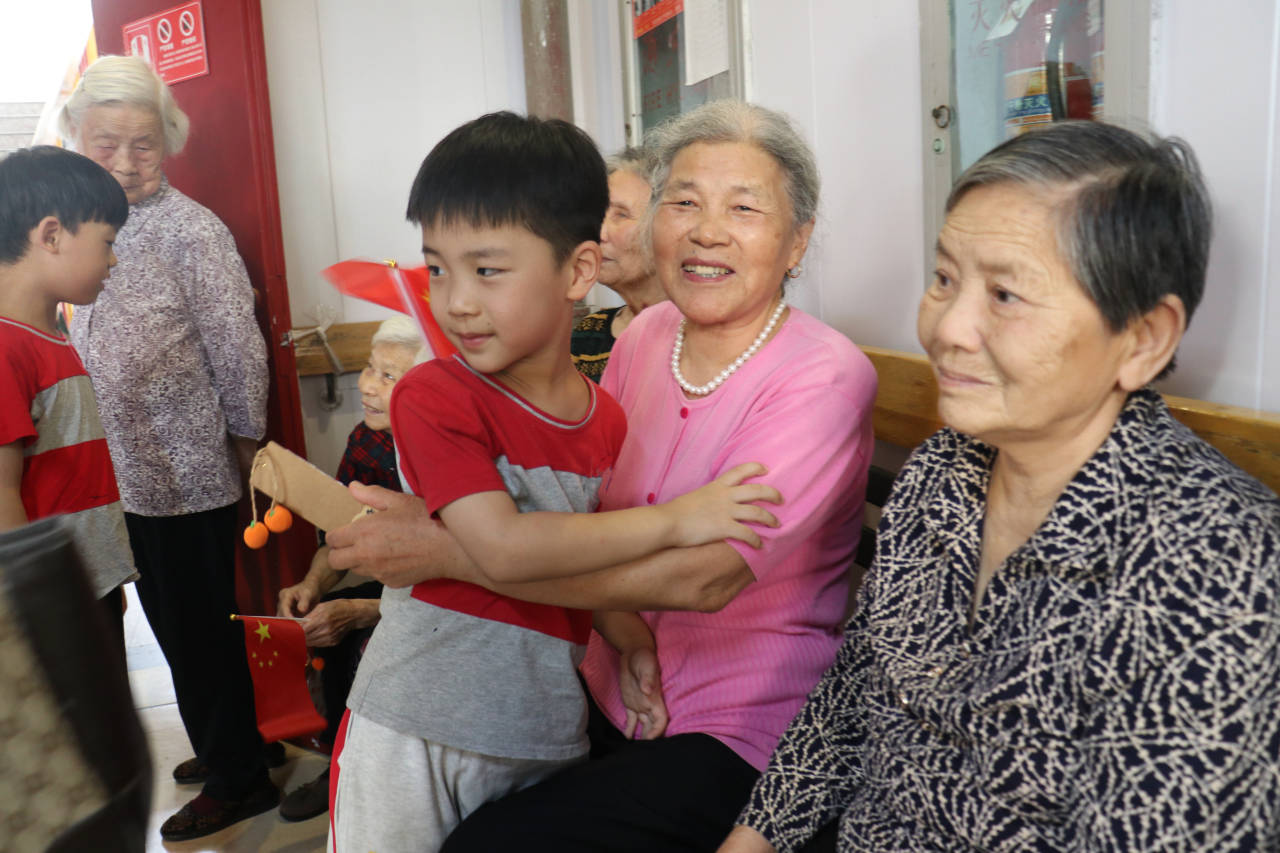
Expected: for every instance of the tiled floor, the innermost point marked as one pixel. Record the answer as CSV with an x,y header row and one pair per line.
x,y
153,697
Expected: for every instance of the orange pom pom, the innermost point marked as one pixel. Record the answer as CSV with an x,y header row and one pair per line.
x,y
317,664
255,535
278,519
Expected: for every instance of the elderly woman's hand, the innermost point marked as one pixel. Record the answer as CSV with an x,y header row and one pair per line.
x,y
719,509
744,839
331,621
399,545
640,681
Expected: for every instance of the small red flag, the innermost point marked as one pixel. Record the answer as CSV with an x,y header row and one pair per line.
x,y
400,289
276,650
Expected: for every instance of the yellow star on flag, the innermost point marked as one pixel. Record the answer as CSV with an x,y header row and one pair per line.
x,y
263,632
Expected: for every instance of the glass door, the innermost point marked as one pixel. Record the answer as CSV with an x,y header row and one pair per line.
x,y
993,69
678,54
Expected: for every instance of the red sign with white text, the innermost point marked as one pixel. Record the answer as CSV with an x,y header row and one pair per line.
x,y
649,15
172,42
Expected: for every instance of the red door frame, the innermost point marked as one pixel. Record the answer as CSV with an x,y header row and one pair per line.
x,y
228,165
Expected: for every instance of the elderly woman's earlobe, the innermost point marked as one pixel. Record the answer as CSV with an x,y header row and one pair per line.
x,y
1155,336
803,232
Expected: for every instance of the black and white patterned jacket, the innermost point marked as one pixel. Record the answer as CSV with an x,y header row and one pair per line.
x,y
1120,688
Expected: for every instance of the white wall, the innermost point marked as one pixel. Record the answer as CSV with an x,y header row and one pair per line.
x,y
360,92
1215,83
849,73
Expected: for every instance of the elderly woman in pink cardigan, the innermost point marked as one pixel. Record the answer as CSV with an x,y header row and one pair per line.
x,y
689,706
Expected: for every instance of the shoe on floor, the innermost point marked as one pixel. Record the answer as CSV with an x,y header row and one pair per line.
x,y
307,801
193,771
205,815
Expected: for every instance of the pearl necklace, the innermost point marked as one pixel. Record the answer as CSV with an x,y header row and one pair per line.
x,y
718,380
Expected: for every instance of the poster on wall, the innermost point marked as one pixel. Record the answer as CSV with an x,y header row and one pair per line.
x,y
172,42
680,52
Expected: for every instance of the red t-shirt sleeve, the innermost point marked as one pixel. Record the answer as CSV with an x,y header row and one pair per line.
x,y
17,390
446,449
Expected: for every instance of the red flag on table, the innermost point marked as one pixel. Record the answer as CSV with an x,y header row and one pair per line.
x,y
387,284
276,650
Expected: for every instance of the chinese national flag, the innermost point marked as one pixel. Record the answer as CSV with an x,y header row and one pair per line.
x,y
384,283
276,650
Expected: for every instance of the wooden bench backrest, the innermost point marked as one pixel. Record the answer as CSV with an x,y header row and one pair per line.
x,y
907,405
906,410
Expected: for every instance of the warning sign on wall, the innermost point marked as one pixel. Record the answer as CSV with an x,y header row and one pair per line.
x,y
172,41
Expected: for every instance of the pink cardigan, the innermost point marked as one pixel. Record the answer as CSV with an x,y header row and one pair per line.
x,y
802,407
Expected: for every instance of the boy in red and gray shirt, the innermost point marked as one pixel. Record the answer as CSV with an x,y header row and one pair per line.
x,y
59,213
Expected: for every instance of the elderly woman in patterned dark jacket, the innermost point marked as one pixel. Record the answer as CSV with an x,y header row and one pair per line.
x,y
1070,637
179,369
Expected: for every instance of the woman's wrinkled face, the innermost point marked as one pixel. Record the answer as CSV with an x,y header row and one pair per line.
x,y
723,235
1019,349
387,363
127,141
624,260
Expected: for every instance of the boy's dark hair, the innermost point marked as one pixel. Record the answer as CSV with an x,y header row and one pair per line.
x,y
544,175
49,181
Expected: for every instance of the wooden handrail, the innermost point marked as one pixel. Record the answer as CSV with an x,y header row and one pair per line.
x,y
349,341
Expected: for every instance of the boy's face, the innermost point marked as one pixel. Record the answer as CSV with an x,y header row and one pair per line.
x,y
499,296
85,261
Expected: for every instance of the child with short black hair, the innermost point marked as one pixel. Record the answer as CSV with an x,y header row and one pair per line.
x,y
59,213
464,695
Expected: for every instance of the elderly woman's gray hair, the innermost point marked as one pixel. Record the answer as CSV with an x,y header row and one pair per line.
x,y
400,330
1135,221
125,80
735,121
634,158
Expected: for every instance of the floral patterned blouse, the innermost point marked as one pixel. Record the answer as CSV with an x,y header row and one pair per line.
x,y
176,357
1120,687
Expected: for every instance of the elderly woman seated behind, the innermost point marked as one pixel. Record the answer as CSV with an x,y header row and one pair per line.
x,y
626,266
1068,640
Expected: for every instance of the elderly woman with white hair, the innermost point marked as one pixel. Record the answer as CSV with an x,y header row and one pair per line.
x,y
178,365
687,709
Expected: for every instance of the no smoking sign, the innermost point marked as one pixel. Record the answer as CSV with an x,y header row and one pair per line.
x,y
172,41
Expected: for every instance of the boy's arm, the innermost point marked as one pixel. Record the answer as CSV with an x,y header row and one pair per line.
x,y
402,545
12,512
509,546
639,675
